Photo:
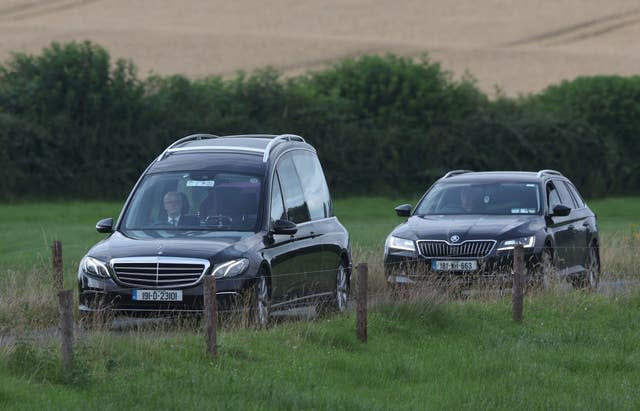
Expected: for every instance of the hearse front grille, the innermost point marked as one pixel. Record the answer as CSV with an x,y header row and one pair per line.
x,y
159,272
466,249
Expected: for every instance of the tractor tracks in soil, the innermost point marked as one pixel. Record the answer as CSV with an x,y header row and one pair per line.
x,y
581,31
38,8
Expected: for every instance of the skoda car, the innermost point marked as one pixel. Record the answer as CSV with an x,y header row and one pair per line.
x,y
467,224
253,211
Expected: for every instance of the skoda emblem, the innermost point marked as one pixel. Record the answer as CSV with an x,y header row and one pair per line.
x,y
455,238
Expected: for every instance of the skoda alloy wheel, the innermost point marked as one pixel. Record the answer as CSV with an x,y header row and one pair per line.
x,y
342,289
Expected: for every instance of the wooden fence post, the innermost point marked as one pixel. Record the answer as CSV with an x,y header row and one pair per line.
x,y
517,289
56,258
361,309
65,298
210,316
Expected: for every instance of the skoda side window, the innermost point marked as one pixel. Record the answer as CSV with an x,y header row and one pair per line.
x,y
234,208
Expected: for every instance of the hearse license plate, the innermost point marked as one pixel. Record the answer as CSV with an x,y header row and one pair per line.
x,y
454,265
156,295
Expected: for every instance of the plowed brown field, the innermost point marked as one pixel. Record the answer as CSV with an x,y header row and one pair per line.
x,y
517,45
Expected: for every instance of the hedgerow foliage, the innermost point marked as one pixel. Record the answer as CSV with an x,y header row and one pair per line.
x,y
74,124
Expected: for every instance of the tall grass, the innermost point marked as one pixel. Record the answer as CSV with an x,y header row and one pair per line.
x,y
25,302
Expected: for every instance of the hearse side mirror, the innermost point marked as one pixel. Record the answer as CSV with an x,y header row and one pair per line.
x,y
561,211
403,210
105,225
284,227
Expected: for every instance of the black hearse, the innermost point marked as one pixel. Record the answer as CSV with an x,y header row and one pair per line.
x,y
253,211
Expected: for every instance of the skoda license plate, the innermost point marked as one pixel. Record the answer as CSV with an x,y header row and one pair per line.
x,y
156,295
454,265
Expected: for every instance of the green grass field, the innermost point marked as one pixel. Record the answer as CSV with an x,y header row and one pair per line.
x,y
573,351
29,229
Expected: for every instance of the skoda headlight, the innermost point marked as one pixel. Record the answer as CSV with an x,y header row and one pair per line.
x,y
230,268
526,242
94,267
397,243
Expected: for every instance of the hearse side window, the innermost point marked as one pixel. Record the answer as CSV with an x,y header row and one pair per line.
x,y
315,188
277,206
297,210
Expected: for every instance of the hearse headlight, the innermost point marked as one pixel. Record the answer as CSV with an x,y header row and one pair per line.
x,y
230,268
398,243
94,267
526,242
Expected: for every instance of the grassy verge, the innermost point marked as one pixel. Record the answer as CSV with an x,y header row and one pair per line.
x,y
574,351
26,300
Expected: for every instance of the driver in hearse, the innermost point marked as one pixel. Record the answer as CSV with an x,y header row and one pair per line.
x,y
176,209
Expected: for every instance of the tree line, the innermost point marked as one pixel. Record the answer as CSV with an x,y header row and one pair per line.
x,y
74,124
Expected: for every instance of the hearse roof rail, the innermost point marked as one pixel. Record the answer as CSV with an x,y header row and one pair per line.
x,y
279,139
456,172
192,137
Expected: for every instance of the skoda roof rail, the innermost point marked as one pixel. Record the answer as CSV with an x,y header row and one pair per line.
x,y
192,137
456,172
278,139
552,172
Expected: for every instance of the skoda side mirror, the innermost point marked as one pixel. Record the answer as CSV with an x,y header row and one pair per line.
x,y
403,210
561,211
285,227
105,225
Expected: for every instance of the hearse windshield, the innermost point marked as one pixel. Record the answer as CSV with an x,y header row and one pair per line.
x,y
197,202
496,198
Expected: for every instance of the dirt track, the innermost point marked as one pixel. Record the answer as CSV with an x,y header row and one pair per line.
x,y
520,46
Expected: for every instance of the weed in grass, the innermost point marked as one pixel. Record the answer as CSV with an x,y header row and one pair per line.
x,y
238,353
43,364
331,338
4,399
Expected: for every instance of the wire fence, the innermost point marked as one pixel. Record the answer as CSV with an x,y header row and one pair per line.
x,y
370,285
614,262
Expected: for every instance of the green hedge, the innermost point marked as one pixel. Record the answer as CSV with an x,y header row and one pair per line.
x,y
74,124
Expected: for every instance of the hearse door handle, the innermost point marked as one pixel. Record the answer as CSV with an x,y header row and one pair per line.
x,y
571,227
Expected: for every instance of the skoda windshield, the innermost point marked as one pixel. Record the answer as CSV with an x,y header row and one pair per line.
x,y
495,198
200,202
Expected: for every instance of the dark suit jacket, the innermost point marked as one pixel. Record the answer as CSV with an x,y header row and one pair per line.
x,y
186,221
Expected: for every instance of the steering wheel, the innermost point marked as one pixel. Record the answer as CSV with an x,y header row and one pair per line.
x,y
218,221
451,210
158,224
